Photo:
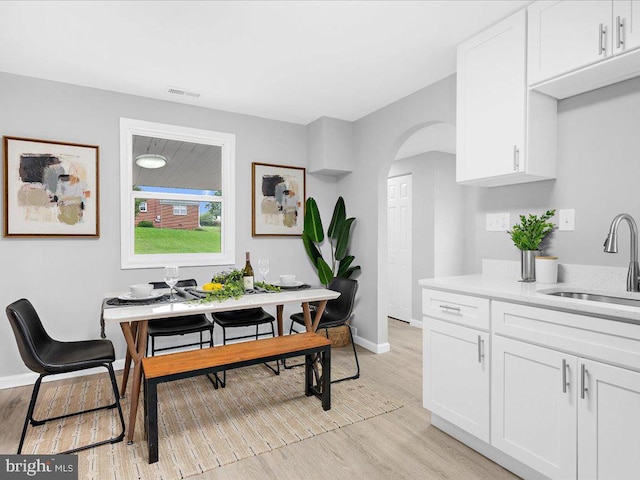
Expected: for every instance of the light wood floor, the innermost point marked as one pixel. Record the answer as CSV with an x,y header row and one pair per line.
x,y
398,445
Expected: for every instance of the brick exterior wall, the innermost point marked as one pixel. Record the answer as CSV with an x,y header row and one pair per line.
x,y
155,208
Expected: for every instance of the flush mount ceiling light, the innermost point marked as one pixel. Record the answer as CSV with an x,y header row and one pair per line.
x,y
151,160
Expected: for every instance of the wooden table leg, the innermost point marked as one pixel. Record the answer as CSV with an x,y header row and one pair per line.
x,y
279,310
127,359
312,326
138,350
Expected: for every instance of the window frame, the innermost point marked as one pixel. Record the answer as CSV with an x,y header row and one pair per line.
x,y
179,209
226,141
140,209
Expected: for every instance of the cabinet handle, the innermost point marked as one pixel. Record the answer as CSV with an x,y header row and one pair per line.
x,y
602,34
619,31
583,375
516,158
449,308
480,349
565,382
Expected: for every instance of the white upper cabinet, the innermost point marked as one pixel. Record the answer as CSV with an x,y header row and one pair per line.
x,y
494,111
626,22
566,35
577,46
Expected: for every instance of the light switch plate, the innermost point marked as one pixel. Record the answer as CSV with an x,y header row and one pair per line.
x,y
498,222
567,219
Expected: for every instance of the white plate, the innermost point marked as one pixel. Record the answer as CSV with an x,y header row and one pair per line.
x,y
295,284
131,298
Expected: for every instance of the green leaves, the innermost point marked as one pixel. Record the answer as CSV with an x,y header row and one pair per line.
x,y
343,239
532,230
338,219
312,250
325,275
338,235
312,221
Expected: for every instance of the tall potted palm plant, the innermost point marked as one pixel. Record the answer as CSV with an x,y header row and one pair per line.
x,y
338,235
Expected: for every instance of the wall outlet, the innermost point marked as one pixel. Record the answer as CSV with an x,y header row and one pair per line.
x,y
498,222
567,219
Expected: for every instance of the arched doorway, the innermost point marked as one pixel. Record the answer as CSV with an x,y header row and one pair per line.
x,y
426,153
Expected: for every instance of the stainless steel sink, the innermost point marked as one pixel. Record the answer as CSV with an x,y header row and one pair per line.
x,y
598,298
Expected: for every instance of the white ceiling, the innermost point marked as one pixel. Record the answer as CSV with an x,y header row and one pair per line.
x,y
287,60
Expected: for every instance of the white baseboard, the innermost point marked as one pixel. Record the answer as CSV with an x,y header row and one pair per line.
x,y
22,379
374,347
416,323
30,378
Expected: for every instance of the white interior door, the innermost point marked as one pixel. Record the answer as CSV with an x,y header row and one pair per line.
x,y
399,243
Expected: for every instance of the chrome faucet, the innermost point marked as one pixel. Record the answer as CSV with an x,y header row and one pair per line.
x,y
611,246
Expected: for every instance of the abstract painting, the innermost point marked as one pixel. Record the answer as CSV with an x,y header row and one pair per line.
x,y
278,196
50,189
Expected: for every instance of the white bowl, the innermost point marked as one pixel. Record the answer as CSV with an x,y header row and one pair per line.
x,y
141,290
287,279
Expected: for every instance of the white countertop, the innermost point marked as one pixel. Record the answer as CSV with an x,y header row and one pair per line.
x,y
508,288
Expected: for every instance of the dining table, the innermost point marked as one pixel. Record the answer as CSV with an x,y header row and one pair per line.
x,y
134,318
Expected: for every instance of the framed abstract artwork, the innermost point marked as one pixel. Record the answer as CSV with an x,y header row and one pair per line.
x,y
50,189
278,196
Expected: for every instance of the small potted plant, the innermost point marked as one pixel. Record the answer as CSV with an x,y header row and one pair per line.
x,y
527,236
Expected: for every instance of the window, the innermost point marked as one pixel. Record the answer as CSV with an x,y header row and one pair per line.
x,y
182,211
179,209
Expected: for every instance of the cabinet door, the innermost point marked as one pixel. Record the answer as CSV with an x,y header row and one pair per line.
x,y
491,88
533,412
608,422
456,375
566,35
626,25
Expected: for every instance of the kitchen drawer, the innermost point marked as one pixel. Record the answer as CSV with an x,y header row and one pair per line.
x,y
591,337
452,307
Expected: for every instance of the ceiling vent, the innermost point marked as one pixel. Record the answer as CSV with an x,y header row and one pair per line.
x,y
182,92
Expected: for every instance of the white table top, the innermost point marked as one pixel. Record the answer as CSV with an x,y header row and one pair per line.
x,y
164,310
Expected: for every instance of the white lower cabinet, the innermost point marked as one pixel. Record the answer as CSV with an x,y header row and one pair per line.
x,y
533,414
557,392
456,375
608,422
551,408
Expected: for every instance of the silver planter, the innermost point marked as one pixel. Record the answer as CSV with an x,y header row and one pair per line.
x,y
528,265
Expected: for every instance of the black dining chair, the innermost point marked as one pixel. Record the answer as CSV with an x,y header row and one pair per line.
x,y
245,318
173,326
46,356
336,314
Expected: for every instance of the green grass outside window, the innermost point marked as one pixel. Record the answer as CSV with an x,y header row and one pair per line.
x,y
168,240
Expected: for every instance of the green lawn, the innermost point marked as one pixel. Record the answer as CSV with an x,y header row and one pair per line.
x,y
167,240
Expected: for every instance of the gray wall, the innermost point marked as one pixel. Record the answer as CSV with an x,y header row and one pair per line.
x,y
598,175
67,278
378,136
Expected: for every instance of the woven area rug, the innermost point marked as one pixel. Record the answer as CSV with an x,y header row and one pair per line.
x,y
199,428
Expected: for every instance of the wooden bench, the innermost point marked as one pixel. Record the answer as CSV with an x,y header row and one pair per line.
x,y
175,366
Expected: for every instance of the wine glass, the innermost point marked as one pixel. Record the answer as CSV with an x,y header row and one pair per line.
x,y
263,267
171,276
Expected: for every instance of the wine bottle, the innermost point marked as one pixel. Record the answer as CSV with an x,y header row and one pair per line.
x,y
247,274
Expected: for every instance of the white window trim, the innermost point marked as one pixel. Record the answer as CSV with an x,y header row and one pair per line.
x,y
140,207
227,142
180,209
